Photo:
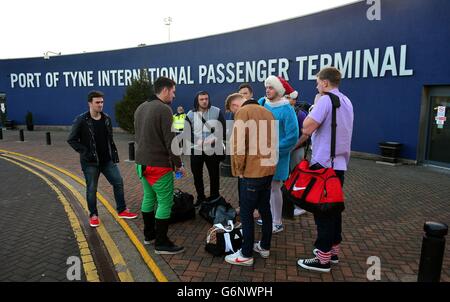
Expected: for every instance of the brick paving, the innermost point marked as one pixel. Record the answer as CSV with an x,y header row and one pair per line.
x,y
36,237
385,211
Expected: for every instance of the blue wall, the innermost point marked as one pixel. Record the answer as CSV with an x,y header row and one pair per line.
x,y
386,108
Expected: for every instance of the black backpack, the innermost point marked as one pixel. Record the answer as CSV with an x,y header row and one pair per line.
x,y
183,207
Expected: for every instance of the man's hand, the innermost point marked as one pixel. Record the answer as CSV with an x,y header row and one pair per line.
x,y
302,140
182,170
298,144
309,126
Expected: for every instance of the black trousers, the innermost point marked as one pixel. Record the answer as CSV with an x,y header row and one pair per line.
x,y
329,226
212,164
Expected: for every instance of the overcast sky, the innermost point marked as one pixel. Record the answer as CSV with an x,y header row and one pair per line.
x,y
29,28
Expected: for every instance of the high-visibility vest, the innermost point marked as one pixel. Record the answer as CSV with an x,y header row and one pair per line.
x,y
178,121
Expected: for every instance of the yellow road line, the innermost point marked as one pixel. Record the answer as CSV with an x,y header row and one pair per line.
x,y
139,246
88,263
113,251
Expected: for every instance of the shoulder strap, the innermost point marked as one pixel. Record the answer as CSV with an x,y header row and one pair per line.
x,y
336,103
204,122
207,125
228,228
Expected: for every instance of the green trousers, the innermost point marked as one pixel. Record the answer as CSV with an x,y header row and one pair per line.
x,y
157,197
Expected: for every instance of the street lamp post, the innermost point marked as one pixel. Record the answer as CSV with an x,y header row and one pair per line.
x,y
168,21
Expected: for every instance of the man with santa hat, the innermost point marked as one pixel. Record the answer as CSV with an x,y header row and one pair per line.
x,y
275,101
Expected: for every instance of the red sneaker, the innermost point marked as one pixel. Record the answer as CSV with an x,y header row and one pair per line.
x,y
126,214
94,221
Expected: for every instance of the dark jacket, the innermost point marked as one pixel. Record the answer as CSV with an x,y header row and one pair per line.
x,y
82,138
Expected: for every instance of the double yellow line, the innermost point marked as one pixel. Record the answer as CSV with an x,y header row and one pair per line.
x,y
109,243
88,262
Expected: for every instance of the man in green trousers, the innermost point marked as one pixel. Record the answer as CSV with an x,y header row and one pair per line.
x,y
156,162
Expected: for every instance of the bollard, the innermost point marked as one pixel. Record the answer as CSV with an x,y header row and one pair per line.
x,y
131,151
1,133
22,138
48,137
433,246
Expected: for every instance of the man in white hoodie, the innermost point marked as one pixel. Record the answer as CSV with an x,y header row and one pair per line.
x,y
206,124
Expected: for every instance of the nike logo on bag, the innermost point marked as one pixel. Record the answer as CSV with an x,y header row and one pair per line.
x,y
298,188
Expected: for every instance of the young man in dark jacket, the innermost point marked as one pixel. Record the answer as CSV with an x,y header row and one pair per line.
x,y
92,137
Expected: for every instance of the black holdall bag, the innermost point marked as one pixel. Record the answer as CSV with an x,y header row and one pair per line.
x,y
183,206
224,239
217,211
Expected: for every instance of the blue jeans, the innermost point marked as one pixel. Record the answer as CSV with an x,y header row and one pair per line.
x,y
255,194
112,174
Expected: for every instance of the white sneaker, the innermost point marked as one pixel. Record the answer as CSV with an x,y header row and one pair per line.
x,y
276,228
238,259
299,211
259,222
257,248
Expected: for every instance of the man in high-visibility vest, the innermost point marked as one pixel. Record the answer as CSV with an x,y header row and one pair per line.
x,y
178,119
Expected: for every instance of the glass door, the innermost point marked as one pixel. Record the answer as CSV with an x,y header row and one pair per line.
x,y
439,130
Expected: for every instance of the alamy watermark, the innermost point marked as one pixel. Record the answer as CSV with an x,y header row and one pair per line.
x,y
374,11
374,271
237,138
74,271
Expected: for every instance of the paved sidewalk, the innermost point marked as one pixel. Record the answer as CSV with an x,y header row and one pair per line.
x,y
385,211
36,238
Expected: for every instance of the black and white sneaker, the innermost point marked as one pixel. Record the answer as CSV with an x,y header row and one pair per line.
x,y
334,258
314,265
148,241
168,248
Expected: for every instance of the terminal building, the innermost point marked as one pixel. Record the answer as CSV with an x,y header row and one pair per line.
x,y
394,57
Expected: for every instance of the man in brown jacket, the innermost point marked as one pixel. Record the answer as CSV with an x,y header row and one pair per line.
x,y
253,160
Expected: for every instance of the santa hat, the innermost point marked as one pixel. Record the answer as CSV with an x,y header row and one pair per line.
x,y
281,86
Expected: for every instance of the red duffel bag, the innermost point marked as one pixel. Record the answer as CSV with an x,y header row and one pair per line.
x,y
316,191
